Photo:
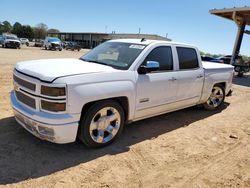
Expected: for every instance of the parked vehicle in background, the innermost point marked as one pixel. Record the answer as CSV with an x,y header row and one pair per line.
x,y
211,59
52,43
11,41
38,42
240,66
119,81
1,39
227,58
72,46
24,41
64,44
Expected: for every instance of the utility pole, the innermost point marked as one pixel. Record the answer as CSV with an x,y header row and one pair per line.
x,y
139,30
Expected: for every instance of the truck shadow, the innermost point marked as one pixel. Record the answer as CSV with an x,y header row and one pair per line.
x,y
22,156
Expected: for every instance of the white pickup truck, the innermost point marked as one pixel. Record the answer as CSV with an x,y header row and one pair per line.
x,y
119,81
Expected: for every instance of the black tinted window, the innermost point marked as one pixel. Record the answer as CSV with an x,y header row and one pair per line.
x,y
187,58
163,55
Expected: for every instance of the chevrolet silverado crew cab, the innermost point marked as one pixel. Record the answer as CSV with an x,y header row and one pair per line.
x,y
118,82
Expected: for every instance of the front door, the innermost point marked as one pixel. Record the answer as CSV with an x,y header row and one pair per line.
x,y
156,91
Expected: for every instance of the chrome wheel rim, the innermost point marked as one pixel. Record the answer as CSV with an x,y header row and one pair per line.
x,y
105,125
216,97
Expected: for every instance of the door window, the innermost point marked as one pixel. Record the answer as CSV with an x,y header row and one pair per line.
x,y
163,55
187,58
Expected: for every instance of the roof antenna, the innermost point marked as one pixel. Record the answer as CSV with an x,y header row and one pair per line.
x,y
143,39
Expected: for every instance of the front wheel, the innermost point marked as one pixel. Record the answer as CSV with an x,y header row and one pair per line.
x,y
216,98
101,124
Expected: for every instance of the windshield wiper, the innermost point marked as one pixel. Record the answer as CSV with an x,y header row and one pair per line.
x,y
94,61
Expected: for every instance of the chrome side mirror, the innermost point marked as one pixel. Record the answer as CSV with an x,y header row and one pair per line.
x,y
150,66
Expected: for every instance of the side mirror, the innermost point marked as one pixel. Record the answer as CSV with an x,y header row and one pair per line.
x,y
150,66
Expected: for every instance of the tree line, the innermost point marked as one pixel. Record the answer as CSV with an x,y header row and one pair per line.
x,y
26,31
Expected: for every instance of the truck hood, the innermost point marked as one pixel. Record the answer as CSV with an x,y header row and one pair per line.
x,y
49,69
12,40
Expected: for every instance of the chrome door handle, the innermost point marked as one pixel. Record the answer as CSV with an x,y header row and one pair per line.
x,y
172,79
200,76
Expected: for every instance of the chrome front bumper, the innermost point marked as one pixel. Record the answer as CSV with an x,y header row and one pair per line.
x,y
57,128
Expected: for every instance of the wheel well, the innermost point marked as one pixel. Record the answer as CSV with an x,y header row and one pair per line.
x,y
221,83
123,101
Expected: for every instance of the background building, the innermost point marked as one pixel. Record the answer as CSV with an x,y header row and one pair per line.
x,y
90,40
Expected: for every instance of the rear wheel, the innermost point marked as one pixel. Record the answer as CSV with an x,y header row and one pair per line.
x,y
101,124
216,98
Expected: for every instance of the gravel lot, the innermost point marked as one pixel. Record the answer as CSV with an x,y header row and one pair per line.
x,y
187,148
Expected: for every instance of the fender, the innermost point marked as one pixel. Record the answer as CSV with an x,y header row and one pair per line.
x,y
85,90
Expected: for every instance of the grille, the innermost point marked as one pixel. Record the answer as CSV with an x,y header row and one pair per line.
x,y
26,99
54,45
24,83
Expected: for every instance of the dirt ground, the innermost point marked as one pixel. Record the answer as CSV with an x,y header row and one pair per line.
x,y
187,148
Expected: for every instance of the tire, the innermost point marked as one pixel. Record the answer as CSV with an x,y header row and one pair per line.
x,y
240,74
95,132
216,99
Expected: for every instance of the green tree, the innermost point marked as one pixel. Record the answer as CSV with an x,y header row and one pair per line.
x,y
17,28
40,31
5,27
27,32
53,32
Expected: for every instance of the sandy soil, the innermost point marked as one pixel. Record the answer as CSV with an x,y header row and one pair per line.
x,y
188,148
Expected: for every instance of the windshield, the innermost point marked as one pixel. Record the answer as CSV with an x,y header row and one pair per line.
x,y
54,40
118,55
10,37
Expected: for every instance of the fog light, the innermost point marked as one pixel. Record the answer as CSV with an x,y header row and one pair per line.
x,y
53,106
46,131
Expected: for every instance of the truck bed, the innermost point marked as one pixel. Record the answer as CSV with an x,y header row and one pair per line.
x,y
209,65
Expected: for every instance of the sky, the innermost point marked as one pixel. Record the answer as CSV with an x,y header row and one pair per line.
x,y
187,21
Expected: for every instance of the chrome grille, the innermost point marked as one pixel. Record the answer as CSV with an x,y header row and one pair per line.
x,y
26,99
24,83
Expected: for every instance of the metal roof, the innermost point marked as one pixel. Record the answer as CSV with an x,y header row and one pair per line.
x,y
235,14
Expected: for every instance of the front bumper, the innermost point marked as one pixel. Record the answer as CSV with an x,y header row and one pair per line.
x,y
12,44
56,46
57,128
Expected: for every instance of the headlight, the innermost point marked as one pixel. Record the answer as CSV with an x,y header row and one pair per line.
x,y
53,106
53,91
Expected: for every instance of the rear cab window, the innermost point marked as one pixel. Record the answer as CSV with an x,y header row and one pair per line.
x,y
188,58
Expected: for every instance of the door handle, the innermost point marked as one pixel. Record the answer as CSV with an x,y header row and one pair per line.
x,y
200,76
172,79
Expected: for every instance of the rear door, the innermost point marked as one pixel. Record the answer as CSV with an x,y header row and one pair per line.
x,y
190,76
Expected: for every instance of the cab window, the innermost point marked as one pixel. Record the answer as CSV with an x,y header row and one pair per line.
x,y
163,55
187,58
